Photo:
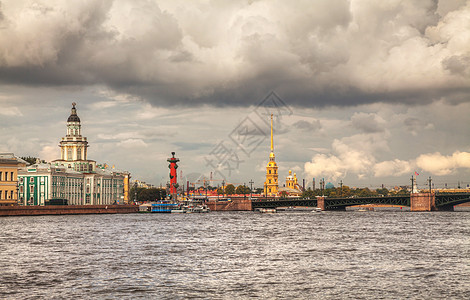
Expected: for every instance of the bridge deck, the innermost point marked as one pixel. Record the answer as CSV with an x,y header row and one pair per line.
x,y
442,200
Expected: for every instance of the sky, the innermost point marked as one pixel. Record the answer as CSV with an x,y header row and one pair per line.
x,y
363,92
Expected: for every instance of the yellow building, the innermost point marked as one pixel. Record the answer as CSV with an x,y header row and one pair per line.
x,y
292,187
9,165
271,183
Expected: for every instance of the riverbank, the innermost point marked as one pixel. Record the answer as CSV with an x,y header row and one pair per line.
x,y
66,210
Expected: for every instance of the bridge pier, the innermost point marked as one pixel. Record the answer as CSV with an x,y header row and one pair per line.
x,y
422,201
321,203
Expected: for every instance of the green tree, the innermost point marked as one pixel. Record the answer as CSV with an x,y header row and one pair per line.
x,y
229,189
308,194
382,191
29,159
220,191
242,190
365,192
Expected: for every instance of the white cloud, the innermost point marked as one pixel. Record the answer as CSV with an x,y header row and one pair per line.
x,y
132,143
439,164
349,155
49,153
394,167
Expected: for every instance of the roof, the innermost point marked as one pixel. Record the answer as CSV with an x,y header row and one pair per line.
x,y
73,114
10,158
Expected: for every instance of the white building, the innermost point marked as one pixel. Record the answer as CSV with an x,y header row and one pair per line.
x,y
73,177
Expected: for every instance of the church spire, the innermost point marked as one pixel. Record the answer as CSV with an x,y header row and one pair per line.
x,y
272,144
271,184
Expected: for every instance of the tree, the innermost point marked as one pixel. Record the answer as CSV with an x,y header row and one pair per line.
x,y
308,194
220,191
283,194
146,195
382,191
230,189
259,190
242,190
29,159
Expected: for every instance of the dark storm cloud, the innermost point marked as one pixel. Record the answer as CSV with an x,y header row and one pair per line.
x,y
308,126
313,54
368,123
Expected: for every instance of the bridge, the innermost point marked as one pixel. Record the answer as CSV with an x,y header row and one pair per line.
x,y
417,201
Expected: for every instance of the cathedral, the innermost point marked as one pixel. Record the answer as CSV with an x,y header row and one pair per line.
x,y
271,183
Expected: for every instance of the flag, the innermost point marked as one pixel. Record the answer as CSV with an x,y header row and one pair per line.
x,y
416,173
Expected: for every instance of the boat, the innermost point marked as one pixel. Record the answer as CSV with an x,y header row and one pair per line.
x,y
266,210
199,209
317,209
178,208
165,207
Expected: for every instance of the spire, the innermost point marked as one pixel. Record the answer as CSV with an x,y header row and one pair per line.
x,y
272,144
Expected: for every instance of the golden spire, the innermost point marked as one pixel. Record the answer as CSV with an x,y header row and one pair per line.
x,y
272,147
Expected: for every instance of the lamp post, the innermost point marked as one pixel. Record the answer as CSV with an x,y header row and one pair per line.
x,y
251,188
135,192
223,188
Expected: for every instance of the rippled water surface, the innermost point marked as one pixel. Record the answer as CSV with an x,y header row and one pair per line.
x,y
225,255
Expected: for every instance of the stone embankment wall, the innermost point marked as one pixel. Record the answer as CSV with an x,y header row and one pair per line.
x,y
234,205
67,210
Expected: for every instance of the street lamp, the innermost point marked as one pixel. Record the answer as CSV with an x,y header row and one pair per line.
x,y
135,192
223,187
251,188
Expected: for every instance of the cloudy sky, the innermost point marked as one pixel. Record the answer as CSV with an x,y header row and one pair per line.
x,y
367,92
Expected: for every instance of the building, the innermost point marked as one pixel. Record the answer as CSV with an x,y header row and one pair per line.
x,y
292,187
73,177
73,147
271,185
9,165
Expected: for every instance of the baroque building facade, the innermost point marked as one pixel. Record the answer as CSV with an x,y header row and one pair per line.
x,y
73,177
271,184
9,165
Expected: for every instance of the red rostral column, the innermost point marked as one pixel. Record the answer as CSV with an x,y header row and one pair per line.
x,y
173,174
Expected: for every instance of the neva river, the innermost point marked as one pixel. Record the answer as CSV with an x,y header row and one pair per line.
x,y
239,255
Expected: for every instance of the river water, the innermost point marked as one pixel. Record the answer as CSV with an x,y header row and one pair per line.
x,y
237,255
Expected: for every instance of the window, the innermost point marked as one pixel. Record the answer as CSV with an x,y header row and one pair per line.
x,y
1,194
31,179
0,176
11,195
12,176
269,171
21,189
